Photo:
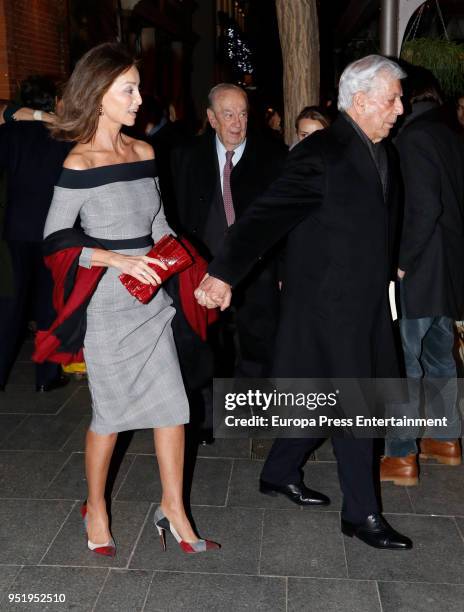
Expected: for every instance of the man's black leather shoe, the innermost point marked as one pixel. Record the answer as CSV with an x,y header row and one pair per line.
x,y
376,532
57,383
297,493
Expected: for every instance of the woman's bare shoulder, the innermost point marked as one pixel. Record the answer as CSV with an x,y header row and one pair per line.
x,y
77,160
142,149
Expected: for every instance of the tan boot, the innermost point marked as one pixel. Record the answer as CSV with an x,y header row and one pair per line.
x,y
402,471
444,451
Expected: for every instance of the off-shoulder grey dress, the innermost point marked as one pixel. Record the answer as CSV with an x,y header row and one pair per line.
x,y
133,369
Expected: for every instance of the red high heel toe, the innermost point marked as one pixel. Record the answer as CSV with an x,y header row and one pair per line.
x,y
162,524
108,549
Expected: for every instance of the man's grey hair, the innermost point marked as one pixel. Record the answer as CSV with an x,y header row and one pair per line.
x,y
361,75
223,88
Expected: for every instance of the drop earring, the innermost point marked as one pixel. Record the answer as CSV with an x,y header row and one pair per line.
x,y
100,110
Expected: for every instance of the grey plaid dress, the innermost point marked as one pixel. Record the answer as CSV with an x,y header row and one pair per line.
x,y
133,369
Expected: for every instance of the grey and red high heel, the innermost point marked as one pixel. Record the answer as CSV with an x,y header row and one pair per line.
x,y
108,549
162,524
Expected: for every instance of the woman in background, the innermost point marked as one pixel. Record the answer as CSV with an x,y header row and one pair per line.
x,y
310,120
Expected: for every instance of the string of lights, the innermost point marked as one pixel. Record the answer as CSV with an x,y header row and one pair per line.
x,y
237,49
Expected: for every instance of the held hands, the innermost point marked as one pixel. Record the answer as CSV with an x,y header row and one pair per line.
x,y
137,266
212,292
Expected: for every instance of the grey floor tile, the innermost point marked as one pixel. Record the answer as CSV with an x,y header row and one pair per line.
x,y
332,595
124,590
325,452
420,597
70,546
20,399
301,543
71,483
43,432
234,449
25,353
79,585
28,473
142,482
22,373
460,524
238,530
440,490
202,592
80,402
142,442
437,556
260,448
27,527
210,481
8,423
7,575
244,486
76,441
396,499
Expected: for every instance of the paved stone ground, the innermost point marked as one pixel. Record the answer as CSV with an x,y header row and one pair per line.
x,y
275,556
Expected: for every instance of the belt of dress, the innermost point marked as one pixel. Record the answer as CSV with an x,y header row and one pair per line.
x,y
128,243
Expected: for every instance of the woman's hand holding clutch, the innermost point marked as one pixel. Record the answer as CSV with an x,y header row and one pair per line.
x,y
138,267
170,255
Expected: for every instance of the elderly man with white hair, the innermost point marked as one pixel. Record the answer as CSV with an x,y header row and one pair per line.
x,y
333,201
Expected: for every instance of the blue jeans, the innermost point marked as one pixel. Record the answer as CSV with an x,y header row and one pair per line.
x,y
428,356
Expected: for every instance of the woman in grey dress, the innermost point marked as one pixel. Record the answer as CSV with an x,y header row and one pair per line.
x,y
132,364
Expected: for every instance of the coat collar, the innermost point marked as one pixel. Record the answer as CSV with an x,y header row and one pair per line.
x,y
361,157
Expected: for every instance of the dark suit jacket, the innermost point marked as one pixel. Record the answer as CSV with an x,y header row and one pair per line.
x,y
33,162
335,318
196,182
196,175
164,141
432,245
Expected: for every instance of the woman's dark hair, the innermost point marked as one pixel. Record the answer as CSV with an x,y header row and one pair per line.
x,y
77,118
314,113
270,112
38,92
422,86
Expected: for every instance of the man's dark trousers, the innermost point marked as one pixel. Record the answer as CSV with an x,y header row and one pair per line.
x,y
33,287
355,470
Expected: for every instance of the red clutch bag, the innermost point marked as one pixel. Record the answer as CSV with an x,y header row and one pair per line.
x,y
171,252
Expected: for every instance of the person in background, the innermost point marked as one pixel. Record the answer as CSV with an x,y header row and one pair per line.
x,y
310,120
32,162
273,124
159,126
34,94
217,176
431,278
460,115
10,111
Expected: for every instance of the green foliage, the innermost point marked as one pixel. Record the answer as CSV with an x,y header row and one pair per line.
x,y
444,58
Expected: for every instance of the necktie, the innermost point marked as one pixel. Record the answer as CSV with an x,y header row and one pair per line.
x,y
226,192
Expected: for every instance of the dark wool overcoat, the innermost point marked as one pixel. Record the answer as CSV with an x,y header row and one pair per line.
x,y
335,319
196,173
432,244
